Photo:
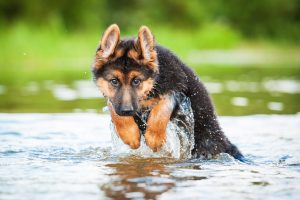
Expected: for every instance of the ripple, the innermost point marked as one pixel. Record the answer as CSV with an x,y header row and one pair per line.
x,y
151,180
69,154
11,152
260,183
10,133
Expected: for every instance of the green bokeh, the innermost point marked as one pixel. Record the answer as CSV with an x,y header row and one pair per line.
x,y
56,40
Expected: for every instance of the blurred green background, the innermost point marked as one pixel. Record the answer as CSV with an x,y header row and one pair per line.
x,y
246,52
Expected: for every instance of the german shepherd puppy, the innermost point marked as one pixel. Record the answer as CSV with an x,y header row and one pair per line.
x,y
138,75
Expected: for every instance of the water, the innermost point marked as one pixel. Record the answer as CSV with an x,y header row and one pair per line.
x,y
71,156
235,90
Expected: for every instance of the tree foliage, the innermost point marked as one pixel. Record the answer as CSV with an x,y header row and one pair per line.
x,y
255,18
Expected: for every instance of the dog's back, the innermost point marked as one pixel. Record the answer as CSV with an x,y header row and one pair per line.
x,y
176,76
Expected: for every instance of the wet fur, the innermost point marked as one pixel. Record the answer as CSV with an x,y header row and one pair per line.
x,y
168,75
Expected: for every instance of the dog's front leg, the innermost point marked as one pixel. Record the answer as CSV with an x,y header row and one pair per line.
x,y
157,122
126,128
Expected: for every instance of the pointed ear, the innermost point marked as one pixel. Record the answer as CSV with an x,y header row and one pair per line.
x,y
109,41
145,43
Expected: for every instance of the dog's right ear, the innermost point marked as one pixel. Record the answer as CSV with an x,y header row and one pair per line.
x,y
109,41
107,47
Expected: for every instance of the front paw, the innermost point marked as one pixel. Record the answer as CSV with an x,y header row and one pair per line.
x,y
155,140
134,144
130,135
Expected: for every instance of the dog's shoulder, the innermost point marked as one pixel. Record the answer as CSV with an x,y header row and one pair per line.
x,y
171,76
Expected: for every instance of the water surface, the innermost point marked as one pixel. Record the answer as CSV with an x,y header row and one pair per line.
x,y
70,156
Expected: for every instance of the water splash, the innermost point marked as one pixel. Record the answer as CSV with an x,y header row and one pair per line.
x,y
180,134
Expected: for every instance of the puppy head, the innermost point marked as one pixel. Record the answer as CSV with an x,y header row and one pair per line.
x,y
125,70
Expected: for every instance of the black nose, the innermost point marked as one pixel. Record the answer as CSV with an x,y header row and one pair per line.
x,y
127,110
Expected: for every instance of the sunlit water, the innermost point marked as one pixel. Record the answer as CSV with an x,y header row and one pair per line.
x,y
71,156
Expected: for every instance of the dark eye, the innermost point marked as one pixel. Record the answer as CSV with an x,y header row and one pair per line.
x,y
136,81
114,82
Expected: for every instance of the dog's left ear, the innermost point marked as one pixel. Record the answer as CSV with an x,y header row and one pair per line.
x,y
145,42
145,47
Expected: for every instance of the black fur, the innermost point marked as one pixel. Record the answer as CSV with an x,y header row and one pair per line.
x,y
176,76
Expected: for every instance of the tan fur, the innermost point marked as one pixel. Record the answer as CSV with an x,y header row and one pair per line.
x,y
152,63
118,53
135,73
145,88
146,42
100,60
108,46
157,123
119,75
144,52
110,40
126,128
146,85
105,87
148,103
